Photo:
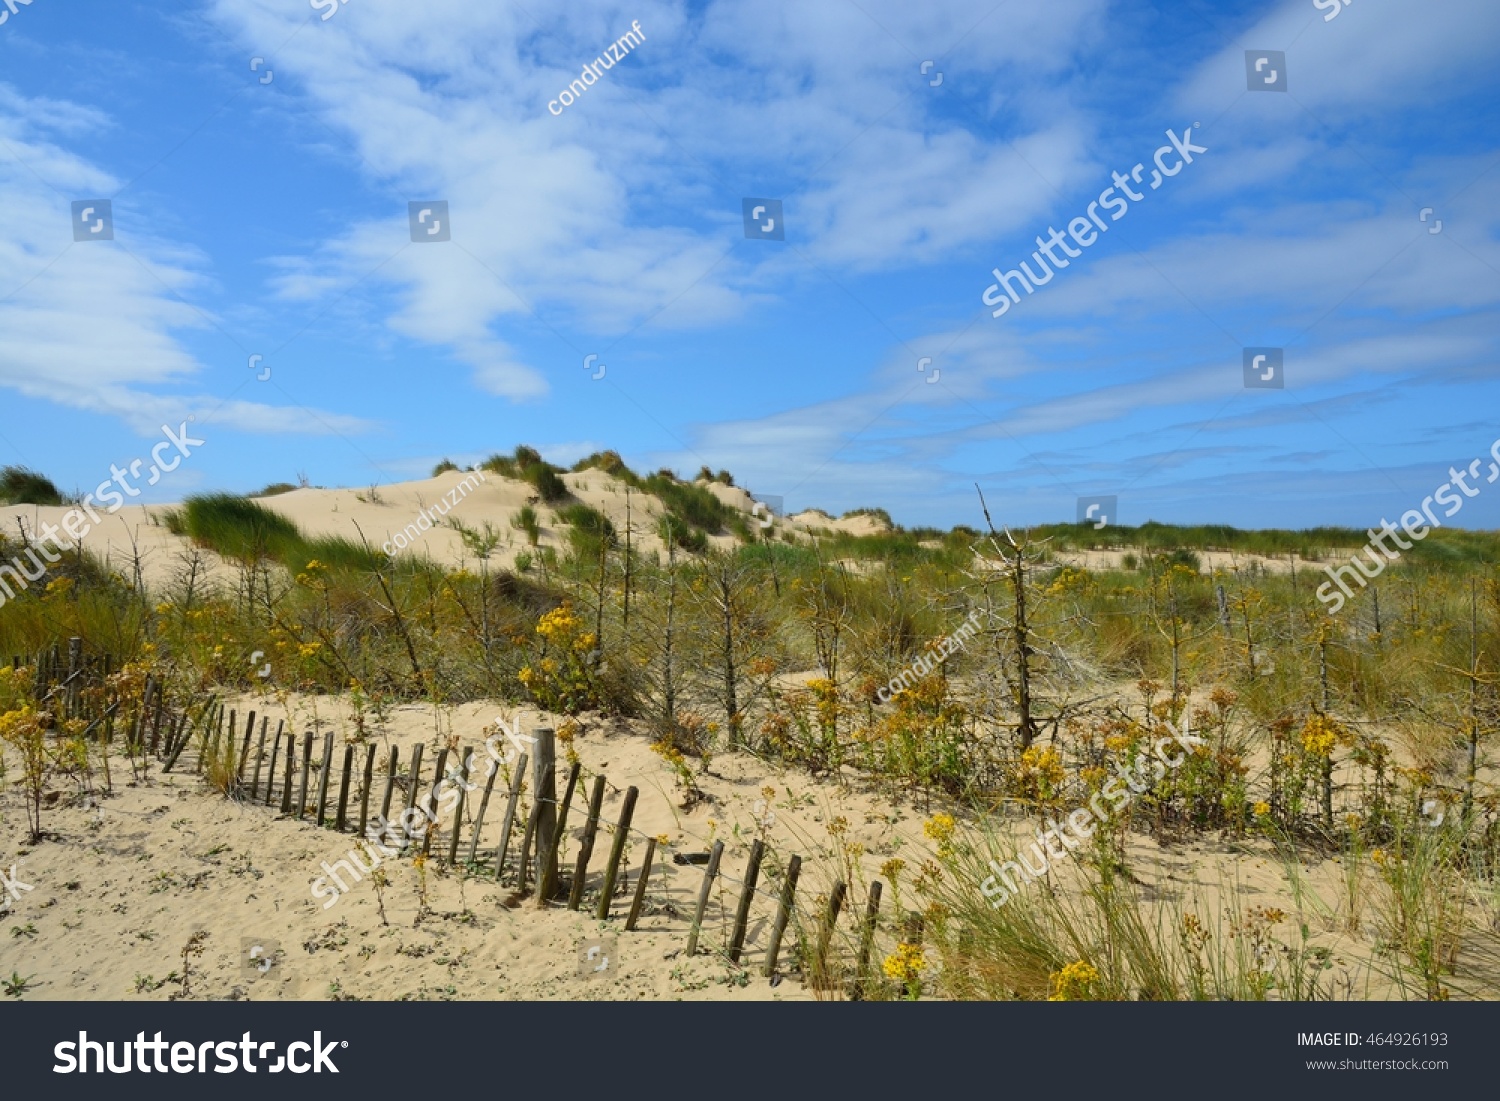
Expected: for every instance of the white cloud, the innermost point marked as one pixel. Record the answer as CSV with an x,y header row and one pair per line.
x,y
91,325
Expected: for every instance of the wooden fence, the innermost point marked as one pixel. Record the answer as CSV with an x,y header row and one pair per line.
x,y
253,765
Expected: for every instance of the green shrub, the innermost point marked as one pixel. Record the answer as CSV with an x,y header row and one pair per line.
x,y
526,520
878,513
673,529
588,521
527,465
236,527
549,485
502,465
609,462
239,529
20,486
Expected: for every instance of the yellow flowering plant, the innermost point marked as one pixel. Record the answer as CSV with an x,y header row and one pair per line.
x,y
559,678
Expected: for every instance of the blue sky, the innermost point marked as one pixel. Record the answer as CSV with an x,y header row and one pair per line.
x,y
270,218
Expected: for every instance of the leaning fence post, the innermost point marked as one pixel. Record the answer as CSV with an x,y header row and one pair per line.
x,y
187,735
390,784
742,915
586,844
867,939
430,811
547,887
275,756
523,859
830,920
364,796
413,782
516,780
616,851
306,770
239,770
708,881
323,779
342,818
211,736
291,757
783,913
484,805
260,758
640,885
458,809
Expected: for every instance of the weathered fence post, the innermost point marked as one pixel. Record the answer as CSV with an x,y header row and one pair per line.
x,y
306,771
275,756
523,859
390,785
830,920
708,882
364,795
342,818
326,772
484,805
616,851
586,844
291,758
783,913
260,758
430,811
742,915
867,940
516,780
75,655
413,782
239,766
544,796
547,877
640,886
458,808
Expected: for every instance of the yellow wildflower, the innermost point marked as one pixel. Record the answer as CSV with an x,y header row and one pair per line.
x,y
906,964
1074,982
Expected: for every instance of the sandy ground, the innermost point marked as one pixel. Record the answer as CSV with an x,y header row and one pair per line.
x,y
125,879
129,877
